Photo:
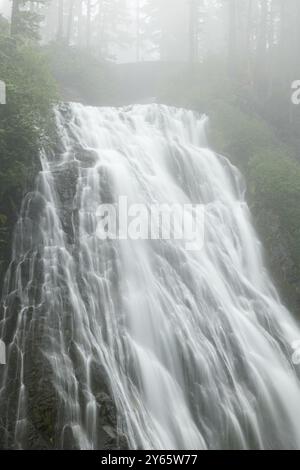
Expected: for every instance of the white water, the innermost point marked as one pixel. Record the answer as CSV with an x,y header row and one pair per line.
x,y
196,345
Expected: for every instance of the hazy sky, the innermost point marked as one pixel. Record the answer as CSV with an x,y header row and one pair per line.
x,y
5,6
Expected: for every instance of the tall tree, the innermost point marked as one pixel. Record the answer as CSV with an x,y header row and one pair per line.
x,y
138,30
25,19
262,48
60,12
88,22
111,27
232,39
15,13
196,12
166,28
70,20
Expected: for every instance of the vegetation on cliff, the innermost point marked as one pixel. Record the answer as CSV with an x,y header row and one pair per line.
x,y
26,124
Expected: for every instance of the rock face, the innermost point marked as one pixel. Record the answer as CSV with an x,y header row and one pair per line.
x,y
35,413
9,207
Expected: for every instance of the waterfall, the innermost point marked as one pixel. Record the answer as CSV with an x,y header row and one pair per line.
x,y
142,343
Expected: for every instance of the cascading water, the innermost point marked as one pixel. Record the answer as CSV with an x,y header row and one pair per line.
x,y
182,349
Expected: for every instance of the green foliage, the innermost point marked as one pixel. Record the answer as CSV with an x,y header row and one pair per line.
x,y
275,181
26,124
28,25
4,26
3,219
25,119
25,22
241,135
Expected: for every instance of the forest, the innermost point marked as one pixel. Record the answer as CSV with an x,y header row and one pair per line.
x,y
236,61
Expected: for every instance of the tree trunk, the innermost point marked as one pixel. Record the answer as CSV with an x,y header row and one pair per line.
x,y
192,31
138,30
15,11
88,23
261,56
60,29
232,40
70,20
80,31
249,44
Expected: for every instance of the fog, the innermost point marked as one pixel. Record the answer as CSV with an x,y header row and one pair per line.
x,y
129,30
5,8
149,339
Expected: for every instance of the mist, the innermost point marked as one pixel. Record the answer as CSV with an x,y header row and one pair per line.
x,y
149,227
